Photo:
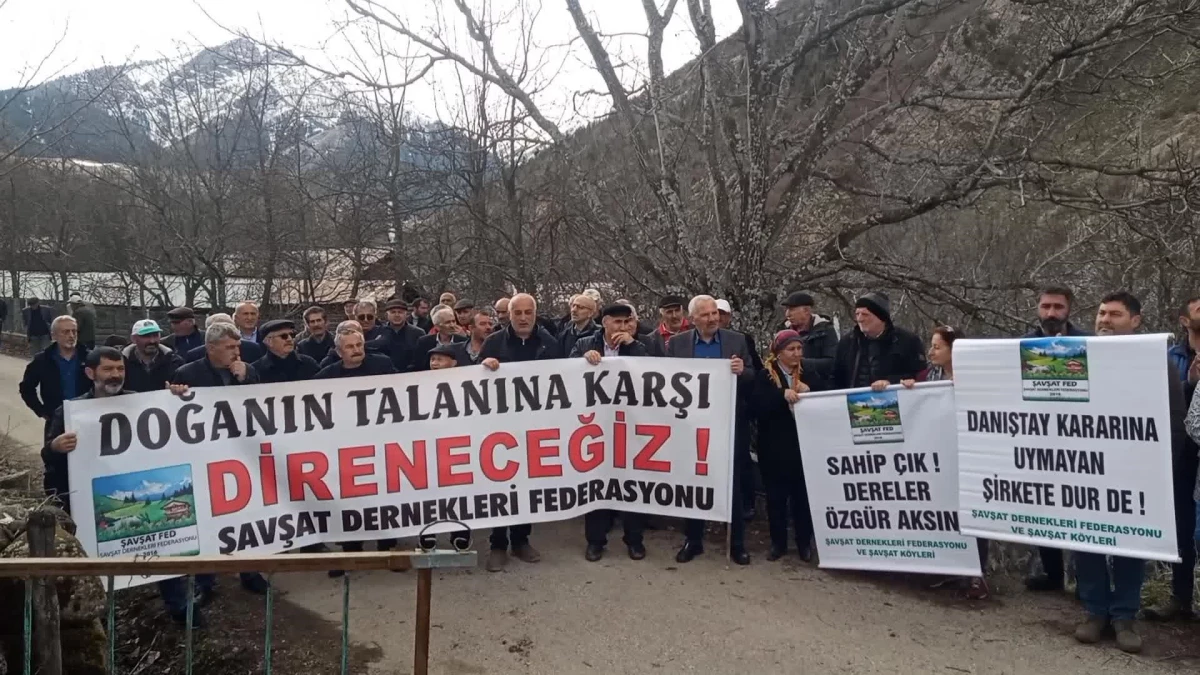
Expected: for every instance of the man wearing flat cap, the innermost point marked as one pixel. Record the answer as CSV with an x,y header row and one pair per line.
x,y
184,335
817,333
463,309
398,339
671,323
445,355
282,363
617,337
876,353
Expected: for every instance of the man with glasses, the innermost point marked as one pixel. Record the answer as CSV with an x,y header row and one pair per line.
x,y
184,335
282,363
365,314
446,324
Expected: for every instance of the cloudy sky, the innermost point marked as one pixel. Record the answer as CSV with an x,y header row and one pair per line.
x,y
89,33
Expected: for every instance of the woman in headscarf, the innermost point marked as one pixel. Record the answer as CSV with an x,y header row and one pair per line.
x,y
941,368
777,388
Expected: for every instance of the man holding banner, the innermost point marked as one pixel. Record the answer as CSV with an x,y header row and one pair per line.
x,y
707,340
1065,441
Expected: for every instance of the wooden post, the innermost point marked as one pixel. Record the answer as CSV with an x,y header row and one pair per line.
x,y
421,648
47,643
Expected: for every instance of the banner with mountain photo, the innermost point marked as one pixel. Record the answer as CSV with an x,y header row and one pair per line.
x,y
882,479
274,467
1066,442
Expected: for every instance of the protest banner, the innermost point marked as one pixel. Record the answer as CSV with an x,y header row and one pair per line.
x,y
882,480
267,468
1066,442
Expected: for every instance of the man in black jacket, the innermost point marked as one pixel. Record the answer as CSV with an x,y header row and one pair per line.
x,y
522,340
876,353
1054,319
749,492
185,336
222,364
354,359
819,336
56,373
582,323
282,362
398,339
319,342
37,319
104,373
707,340
469,351
149,365
618,337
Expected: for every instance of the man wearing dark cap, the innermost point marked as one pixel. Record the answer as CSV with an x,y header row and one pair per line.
x,y
617,337
184,335
876,353
282,363
671,323
445,356
462,313
817,333
398,339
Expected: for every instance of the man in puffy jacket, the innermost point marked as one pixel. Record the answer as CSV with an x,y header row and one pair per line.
x,y
149,364
876,352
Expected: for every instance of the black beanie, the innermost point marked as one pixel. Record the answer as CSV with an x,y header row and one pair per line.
x,y
876,303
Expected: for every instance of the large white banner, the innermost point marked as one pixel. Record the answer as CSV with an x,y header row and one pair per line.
x,y
266,468
1066,442
882,475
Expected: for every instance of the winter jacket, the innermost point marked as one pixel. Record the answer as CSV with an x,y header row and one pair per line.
x,y
373,364
595,341
399,345
900,356
463,356
55,481
250,352
569,335
1181,356
755,359
140,377
85,320
202,374
778,442
295,368
184,344
420,358
425,323
41,387
502,346
47,315
316,349
820,346
374,333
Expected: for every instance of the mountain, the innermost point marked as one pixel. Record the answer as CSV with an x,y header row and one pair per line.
x,y
232,99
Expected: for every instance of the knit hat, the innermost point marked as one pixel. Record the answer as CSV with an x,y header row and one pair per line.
x,y
876,303
784,338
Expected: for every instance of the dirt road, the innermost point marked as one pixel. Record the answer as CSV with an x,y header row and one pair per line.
x,y
565,616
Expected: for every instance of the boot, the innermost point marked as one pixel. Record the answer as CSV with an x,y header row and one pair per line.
x,y
1089,632
497,560
1128,640
526,553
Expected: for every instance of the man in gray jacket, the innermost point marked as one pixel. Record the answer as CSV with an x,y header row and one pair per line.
x,y
708,341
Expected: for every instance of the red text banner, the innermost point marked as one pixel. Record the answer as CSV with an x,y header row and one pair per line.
x,y
269,468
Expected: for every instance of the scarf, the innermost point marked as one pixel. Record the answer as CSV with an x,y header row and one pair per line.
x,y
667,334
771,363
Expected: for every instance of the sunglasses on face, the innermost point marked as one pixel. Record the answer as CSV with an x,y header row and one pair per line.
x,y
366,317
285,336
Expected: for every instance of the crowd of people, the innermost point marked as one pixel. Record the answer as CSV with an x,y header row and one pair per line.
x,y
805,355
